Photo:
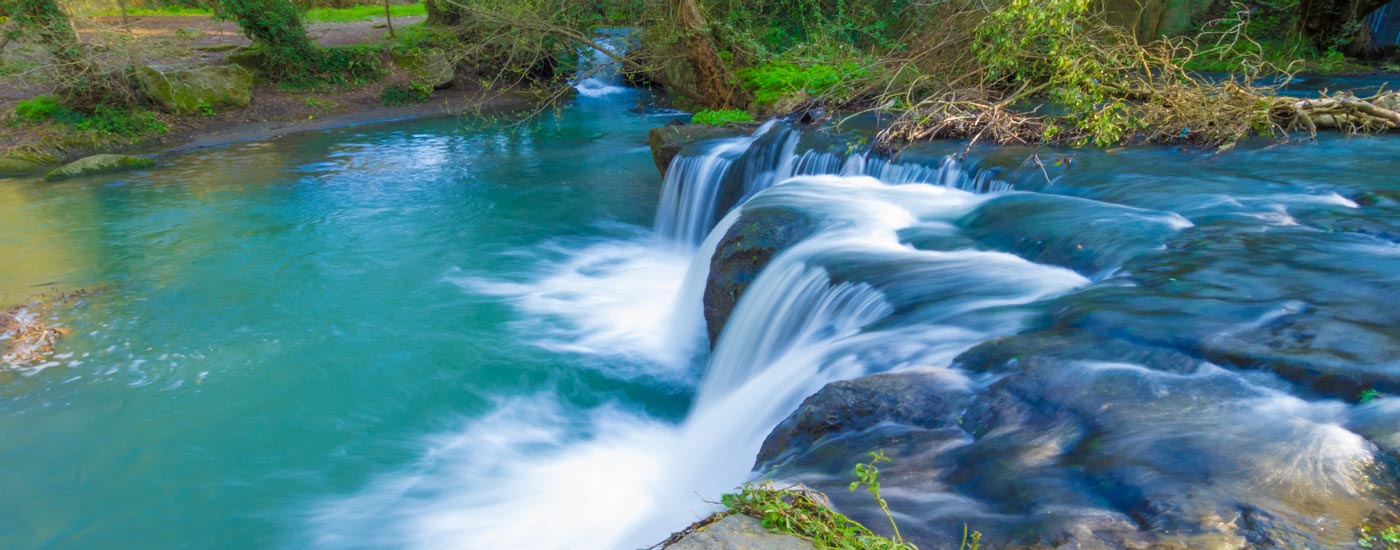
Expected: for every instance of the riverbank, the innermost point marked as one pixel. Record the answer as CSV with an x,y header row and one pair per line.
x,y
176,46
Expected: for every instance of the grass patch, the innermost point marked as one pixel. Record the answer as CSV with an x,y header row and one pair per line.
x,y
102,120
721,117
316,15
361,13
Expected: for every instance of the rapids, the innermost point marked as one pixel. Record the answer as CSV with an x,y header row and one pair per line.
x,y
430,335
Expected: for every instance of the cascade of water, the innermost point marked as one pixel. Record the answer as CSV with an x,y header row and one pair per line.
x,y
601,74
701,187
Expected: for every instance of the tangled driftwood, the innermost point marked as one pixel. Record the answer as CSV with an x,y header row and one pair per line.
x,y
1340,111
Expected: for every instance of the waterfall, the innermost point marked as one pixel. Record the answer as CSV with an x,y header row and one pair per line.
x,y
599,73
708,181
614,478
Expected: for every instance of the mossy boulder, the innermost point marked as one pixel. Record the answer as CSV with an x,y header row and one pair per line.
x,y
11,167
98,164
431,66
667,141
194,90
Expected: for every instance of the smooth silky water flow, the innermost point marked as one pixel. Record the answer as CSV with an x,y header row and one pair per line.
x,y
433,334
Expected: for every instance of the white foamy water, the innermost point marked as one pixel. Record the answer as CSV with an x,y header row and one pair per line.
x,y
614,298
537,475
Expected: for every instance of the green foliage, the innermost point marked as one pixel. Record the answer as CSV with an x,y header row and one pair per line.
x,y
1368,396
322,68
204,108
868,474
112,121
806,514
398,95
805,73
1043,45
37,109
721,117
103,120
1387,538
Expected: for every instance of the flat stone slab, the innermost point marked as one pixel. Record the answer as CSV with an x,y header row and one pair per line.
x,y
739,532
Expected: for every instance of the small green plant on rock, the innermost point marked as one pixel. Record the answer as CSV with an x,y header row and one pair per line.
x,y
721,117
868,474
1387,538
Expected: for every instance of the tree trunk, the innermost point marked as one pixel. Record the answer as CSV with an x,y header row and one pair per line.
x,y
1338,23
121,4
710,74
388,19
443,13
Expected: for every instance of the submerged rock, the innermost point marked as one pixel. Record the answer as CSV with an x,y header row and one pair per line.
x,y
192,91
97,164
739,532
667,141
746,248
919,399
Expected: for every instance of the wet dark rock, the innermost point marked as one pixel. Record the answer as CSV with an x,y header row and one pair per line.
x,y
1294,301
668,141
918,399
1084,235
747,247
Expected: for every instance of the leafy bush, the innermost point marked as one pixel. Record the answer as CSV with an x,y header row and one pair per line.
x,y
322,68
112,121
398,95
775,81
37,109
721,117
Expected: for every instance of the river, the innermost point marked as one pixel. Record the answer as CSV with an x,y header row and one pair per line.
x,y
469,334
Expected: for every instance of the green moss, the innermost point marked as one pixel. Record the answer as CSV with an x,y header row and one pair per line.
x,y
98,164
38,108
11,167
721,117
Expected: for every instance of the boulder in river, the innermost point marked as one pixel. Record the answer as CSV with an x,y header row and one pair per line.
x,y
667,141
97,164
914,398
755,238
195,90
